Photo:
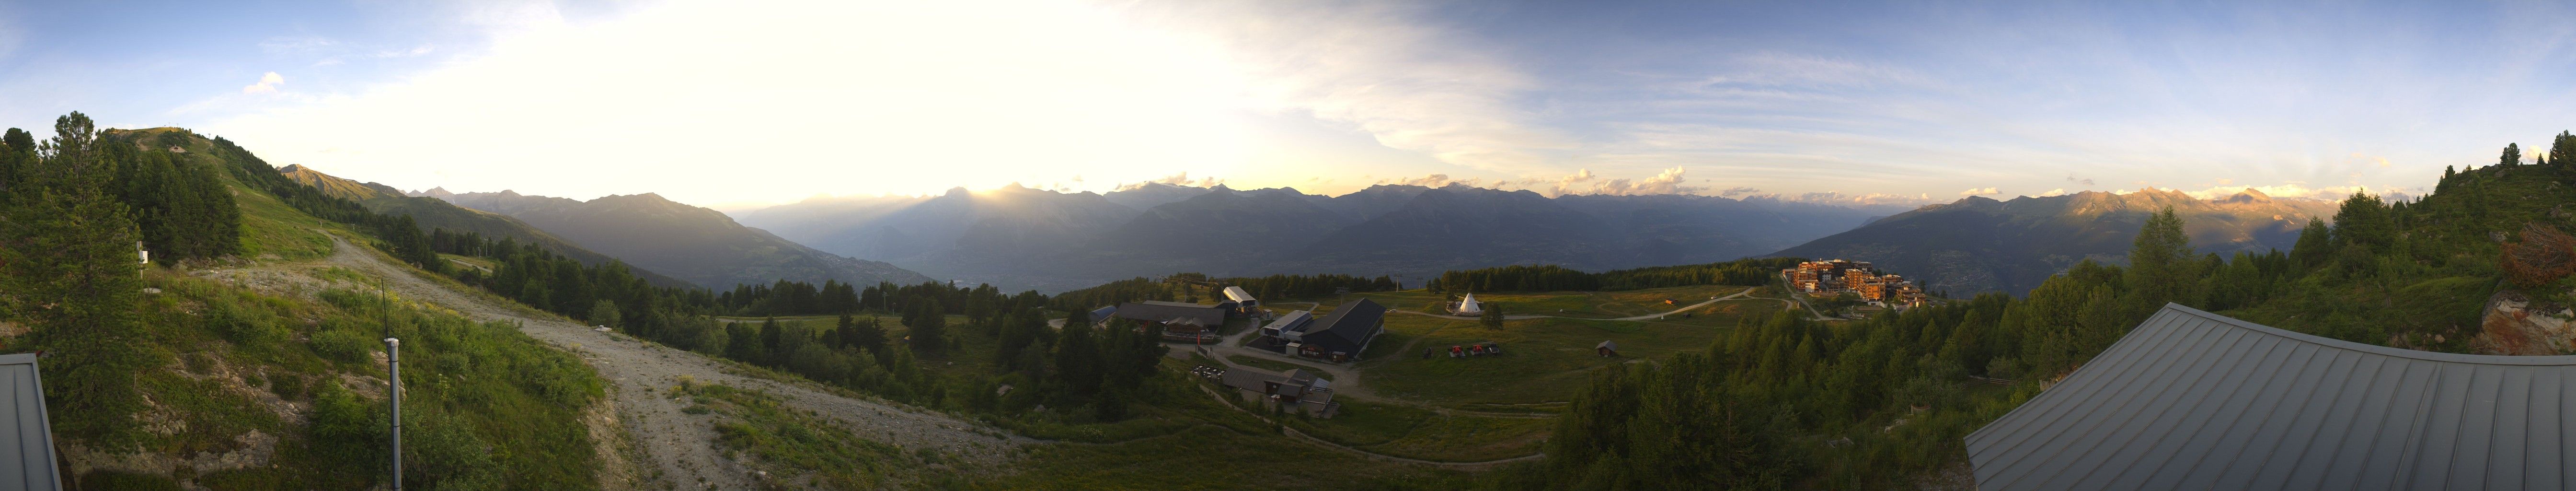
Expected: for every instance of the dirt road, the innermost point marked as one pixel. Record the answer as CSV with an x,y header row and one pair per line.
x,y
682,446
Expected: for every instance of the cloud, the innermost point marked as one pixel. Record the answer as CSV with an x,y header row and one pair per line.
x,y
1733,191
1429,181
1980,191
406,53
299,46
1411,85
1181,179
267,84
1796,71
2052,192
2084,181
1583,181
1840,199
851,97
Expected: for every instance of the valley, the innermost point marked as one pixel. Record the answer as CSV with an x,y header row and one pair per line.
x,y
651,383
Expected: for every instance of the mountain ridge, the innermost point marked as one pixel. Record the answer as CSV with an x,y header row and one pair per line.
x,y
1979,244
1019,237
700,245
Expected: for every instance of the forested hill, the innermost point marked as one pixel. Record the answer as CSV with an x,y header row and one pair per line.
x,y
435,214
1980,245
1883,403
696,244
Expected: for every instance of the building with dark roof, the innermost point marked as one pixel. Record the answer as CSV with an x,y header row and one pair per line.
x,y
1294,390
1343,334
1171,313
2194,400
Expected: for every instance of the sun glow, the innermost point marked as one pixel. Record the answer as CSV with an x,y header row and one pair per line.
x,y
833,98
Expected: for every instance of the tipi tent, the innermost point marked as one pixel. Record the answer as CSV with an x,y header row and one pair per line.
x,y
1469,307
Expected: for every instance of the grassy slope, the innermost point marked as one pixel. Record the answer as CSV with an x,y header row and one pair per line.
x,y
245,370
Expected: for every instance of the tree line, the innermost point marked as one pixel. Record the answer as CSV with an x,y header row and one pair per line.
x,y
1543,278
1188,286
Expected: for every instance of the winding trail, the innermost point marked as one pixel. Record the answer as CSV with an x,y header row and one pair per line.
x,y
681,447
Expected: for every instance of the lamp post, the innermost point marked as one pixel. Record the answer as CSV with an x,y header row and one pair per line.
x,y
393,358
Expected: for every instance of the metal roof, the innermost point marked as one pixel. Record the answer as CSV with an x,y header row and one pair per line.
x,y
1174,312
2194,400
26,440
1349,328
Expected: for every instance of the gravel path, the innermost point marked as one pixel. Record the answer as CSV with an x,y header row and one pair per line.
x,y
682,446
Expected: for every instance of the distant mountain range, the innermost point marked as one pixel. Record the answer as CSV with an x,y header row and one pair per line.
x,y
1979,244
431,213
699,245
1017,237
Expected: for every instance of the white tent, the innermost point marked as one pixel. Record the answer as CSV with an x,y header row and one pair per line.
x,y
1469,306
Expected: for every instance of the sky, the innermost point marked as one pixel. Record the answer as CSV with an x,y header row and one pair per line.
x,y
742,104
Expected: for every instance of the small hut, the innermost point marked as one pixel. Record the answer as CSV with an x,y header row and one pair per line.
x,y
1468,306
1606,349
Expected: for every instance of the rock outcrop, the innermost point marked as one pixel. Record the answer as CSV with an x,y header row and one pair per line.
x,y
2513,325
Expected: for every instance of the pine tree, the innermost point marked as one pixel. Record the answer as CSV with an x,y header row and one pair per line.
x,y
1077,360
2562,148
67,246
2512,155
2160,269
2364,221
929,327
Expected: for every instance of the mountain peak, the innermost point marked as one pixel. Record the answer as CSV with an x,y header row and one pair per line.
x,y
2249,195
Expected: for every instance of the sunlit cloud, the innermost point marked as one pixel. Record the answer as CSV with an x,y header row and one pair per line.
x,y
1980,191
1179,179
267,84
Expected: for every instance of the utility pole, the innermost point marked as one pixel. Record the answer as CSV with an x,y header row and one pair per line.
x,y
393,357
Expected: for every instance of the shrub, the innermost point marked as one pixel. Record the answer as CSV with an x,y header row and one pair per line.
x,y
2542,257
343,345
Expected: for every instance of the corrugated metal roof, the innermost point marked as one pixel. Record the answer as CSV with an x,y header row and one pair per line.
x,y
26,441
2194,400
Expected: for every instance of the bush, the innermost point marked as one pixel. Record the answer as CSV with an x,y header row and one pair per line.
x,y
244,328
343,345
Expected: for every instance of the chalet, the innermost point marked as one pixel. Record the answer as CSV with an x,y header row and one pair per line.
x,y
1293,390
1606,349
1343,334
1103,314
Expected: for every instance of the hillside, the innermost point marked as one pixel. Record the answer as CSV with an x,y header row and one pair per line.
x,y
699,245
262,369
1016,237
432,213
1979,245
